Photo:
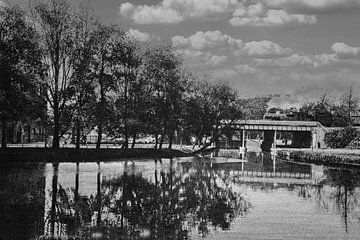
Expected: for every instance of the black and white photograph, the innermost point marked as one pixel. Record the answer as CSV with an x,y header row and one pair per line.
x,y
180,119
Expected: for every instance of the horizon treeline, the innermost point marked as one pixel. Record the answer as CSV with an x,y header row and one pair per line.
x,y
66,69
73,72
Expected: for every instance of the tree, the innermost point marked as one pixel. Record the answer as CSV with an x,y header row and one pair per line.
x,y
101,68
349,102
211,109
82,84
126,62
254,108
340,138
20,67
163,69
54,20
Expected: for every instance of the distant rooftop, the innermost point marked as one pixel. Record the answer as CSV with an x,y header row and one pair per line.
x,y
278,123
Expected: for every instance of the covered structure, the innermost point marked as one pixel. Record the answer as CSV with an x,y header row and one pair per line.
x,y
304,134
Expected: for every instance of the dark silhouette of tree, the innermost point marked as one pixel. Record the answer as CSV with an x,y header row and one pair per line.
x,y
349,102
82,83
162,68
55,20
103,37
20,69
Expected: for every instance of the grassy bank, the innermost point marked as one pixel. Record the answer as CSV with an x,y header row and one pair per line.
x,y
90,155
327,158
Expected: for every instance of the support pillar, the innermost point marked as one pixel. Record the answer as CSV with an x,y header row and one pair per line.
x,y
242,149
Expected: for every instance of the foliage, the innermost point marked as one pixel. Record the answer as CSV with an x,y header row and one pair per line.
x,y
325,112
20,68
96,76
355,143
208,106
340,138
55,20
349,103
254,108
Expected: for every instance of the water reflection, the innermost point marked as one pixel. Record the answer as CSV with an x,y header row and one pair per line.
x,y
169,198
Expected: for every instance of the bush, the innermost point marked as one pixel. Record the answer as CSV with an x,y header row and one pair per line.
x,y
341,138
355,143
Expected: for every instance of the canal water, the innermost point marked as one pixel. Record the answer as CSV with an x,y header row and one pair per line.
x,y
179,198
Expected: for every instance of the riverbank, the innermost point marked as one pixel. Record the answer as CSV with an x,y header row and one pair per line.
x,y
329,157
84,154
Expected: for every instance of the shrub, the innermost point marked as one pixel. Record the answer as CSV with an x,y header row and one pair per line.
x,y
341,138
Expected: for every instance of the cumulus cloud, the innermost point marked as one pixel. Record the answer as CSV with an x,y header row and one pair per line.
x,y
140,36
174,11
245,69
145,14
265,49
210,39
344,51
269,18
244,12
314,6
216,60
294,60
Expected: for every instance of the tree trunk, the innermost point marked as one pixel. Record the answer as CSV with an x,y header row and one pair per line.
x,y
56,134
77,134
134,138
3,133
156,140
98,142
29,134
162,136
171,139
126,140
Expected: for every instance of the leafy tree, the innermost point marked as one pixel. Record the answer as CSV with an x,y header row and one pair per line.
x,y
126,62
163,68
20,68
340,138
211,109
254,108
55,24
101,73
82,83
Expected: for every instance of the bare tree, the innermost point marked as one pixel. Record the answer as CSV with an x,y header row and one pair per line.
x,y
349,102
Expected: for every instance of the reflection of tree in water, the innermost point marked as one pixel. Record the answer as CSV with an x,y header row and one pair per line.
x,y
343,195
21,198
167,207
173,204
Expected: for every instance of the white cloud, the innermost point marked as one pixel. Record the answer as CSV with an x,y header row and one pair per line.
x,y
314,6
295,60
270,18
324,59
193,56
245,69
175,11
266,49
345,51
210,39
216,60
264,13
140,36
144,14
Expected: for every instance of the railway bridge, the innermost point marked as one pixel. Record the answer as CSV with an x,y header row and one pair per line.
x,y
293,134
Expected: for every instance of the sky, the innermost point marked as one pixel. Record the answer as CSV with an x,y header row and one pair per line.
x,y
301,48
